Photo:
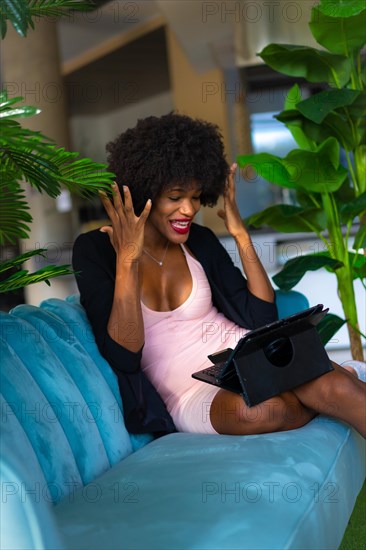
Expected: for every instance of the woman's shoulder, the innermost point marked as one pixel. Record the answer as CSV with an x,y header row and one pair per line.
x,y
202,239
95,236
199,232
205,246
93,243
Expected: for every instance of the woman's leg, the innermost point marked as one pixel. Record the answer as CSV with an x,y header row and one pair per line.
x,y
338,393
230,415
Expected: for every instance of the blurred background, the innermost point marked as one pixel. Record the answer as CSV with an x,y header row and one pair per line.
x,y
95,74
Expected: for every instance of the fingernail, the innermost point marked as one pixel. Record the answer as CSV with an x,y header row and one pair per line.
x,y
125,188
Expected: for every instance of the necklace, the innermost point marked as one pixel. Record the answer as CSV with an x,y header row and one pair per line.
x,y
155,260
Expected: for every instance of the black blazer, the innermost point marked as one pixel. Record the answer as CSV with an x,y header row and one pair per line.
x,y
94,259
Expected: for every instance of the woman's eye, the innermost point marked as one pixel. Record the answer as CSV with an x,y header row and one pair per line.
x,y
197,198
174,198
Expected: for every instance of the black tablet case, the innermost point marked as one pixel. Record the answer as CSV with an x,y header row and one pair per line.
x,y
274,358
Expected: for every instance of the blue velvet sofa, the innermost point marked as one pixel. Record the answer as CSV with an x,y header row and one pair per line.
x,y
72,477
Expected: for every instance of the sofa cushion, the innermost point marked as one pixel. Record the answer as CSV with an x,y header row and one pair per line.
x,y
284,490
74,315
60,398
26,511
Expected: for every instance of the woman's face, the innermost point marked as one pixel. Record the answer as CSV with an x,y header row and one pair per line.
x,y
173,211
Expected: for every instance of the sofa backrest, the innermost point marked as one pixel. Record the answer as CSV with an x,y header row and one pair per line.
x,y
60,397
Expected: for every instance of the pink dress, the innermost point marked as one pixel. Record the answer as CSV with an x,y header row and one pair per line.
x,y
177,343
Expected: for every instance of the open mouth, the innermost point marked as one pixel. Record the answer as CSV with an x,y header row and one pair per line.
x,y
180,226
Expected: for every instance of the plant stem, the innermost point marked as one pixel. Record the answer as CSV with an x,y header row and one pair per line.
x,y
337,247
347,297
359,72
346,292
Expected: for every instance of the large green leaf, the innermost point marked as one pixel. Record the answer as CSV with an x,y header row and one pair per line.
x,y
349,210
358,107
318,106
314,171
360,238
358,262
329,326
340,35
295,269
295,125
310,63
289,219
360,159
341,8
334,125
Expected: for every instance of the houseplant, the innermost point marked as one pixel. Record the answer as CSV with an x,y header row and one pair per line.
x,y
329,196
29,156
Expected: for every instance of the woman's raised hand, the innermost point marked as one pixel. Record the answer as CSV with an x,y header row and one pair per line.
x,y
127,231
231,214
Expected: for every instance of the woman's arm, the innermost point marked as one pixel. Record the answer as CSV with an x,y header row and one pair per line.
x,y
258,282
127,236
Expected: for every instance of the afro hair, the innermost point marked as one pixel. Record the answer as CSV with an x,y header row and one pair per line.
x,y
160,152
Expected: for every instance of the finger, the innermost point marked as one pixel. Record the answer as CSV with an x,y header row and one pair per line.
x,y
233,167
146,211
231,181
108,206
107,229
117,200
128,206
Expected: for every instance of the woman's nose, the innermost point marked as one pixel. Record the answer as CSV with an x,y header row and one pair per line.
x,y
188,208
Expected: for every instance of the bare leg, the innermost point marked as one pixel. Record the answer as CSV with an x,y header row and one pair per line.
x,y
338,393
230,415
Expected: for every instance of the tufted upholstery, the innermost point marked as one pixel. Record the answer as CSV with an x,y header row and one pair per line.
x,y
70,477
62,393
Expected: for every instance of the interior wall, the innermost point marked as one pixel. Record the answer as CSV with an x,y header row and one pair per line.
x,y
106,126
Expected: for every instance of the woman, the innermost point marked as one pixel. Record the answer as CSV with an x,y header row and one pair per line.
x,y
154,285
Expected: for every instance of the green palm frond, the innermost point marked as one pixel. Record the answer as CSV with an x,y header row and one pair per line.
x,y
21,13
56,8
21,258
14,215
53,167
23,278
27,155
34,169
7,110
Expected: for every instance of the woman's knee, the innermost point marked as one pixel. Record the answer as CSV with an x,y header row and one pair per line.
x,y
230,415
293,414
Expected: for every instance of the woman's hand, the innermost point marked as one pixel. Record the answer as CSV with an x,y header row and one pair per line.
x,y
257,279
127,231
231,214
